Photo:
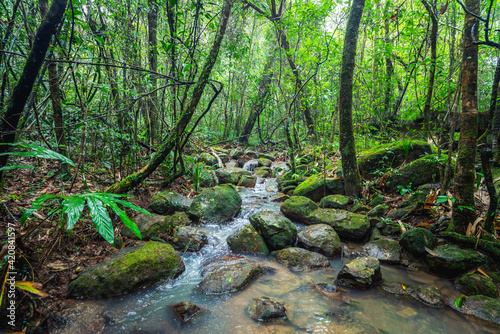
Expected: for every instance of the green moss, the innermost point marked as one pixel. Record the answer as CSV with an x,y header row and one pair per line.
x,y
415,241
476,284
317,186
335,201
247,240
452,260
298,208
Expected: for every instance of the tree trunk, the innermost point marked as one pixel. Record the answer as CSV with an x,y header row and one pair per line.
x,y
22,90
494,110
463,212
175,134
259,101
352,181
153,66
389,67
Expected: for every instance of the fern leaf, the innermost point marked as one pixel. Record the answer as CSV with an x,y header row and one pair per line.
x,y
101,219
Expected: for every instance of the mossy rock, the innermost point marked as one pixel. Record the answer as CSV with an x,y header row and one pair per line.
x,y
247,240
378,211
376,200
360,208
362,273
335,202
218,204
189,239
263,172
247,181
231,174
266,156
237,153
415,241
298,208
153,226
317,186
320,238
380,158
299,259
207,159
278,232
419,172
452,261
168,201
384,250
130,269
483,307
263,162
477,284
265,309
348,225
388,228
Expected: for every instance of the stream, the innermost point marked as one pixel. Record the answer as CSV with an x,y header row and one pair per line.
x,y
371,311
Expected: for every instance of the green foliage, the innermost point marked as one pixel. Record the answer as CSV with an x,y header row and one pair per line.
x,y
36,152
403,190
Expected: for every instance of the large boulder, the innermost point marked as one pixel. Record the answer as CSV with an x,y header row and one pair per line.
x,y
483,307
168,201
231,174
247,240
450,261
317,186
298,208
265,308
362,273
477,284
263,172
299,259
348,225
377,160
383,249
416,240
229,274
320,238
189,239
218,204
155,225
128,270
278,231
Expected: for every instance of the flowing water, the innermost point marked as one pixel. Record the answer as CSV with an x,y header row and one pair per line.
x,y
372,311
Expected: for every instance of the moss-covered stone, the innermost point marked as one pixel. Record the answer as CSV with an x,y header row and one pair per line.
x,y
299,259
237,152
378,211
247,240
218,204
247,181
128,270
362,273
427,294
278,231
476,284
335,202
348,225
388,228
298,208
262,172
379,159
168,201
263,162
153,226
376,200
231,174
483,307
207,159
383,249
415,241
317,186
452,261
265,309
189,239
320,238
360,208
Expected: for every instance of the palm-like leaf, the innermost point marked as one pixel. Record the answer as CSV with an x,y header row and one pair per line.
x,y
101,219
73,207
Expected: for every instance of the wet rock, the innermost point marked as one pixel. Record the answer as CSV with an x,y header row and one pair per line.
x,y
247,240
377,160
207,159
79,317
415,241
317,186
280,199
330,291
218,204
247,181
335,202
131,268
271,186
265,309
483,307
452,261
262,172
263,162
429,295
362,273
185,311
155,225
266,156
229,274
278,231
298,208
167,202
388,228
231,174
348,225
383,249
299,259
360,208
378,211
320,238
251,154
477,284
237,153
189,239
395,288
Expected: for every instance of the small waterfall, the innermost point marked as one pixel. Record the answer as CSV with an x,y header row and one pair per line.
x,y
251,165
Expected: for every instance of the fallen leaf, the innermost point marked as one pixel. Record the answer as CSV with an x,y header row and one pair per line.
x,y
430,251
32,287
482,272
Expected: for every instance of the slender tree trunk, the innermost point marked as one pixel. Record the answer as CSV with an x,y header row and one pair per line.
x,y
463,212
389,67
352,181
175,135
153,66
494,110
22,90
260,99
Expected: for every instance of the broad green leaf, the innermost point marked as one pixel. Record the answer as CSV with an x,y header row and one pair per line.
x,y
73,207
459,300
16,167
36,205
101,219
114,198
39,152
125,219
32,287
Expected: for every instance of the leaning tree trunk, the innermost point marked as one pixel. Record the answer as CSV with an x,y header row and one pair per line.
x,y
352,181
463,212
259,101
175,135
22,90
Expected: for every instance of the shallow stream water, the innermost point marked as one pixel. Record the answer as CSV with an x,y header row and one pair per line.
x,y
372,311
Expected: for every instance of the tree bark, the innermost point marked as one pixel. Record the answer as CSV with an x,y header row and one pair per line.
x,y
153,66
22,90
175,134
463,212
352,181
